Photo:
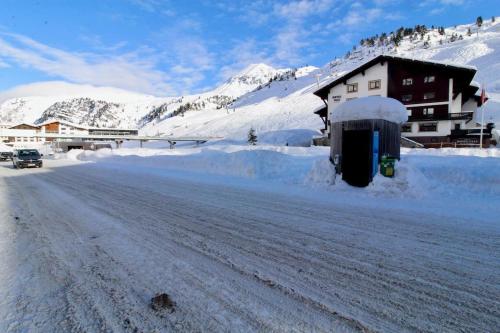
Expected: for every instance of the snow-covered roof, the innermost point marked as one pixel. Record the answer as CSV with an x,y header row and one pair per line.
x,y
324,89
475,84
51,121
371,107
25,124
320,108
68,123
431,61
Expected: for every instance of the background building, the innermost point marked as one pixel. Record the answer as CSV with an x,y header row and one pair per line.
x,y
441,98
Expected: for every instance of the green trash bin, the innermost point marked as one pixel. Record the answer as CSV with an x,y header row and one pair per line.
x,y
387,165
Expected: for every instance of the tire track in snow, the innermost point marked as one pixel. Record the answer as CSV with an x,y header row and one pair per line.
x,y
125,211
268,241
399,284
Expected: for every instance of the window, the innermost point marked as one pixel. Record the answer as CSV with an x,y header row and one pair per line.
x,y
430,95
407,81
428,111
374,84
353,87
429,79
406,128
427,127
406,98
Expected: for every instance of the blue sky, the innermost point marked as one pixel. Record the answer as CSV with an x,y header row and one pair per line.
x,y
167,47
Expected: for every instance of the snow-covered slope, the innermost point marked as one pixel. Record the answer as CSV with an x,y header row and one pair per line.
x,y
287,105
267,99
81,104
104,106
249,79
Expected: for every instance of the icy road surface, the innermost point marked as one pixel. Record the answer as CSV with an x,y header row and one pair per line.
x,y
84,247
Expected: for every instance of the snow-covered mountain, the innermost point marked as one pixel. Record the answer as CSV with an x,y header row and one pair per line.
x,y
261,97
103,106
82,104
284,107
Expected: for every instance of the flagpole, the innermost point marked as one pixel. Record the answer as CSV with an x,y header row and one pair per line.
x,y
482,126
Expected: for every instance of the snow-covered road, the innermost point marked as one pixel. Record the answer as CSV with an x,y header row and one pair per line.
x,y
85,246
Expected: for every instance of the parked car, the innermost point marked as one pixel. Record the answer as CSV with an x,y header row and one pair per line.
x,y
24,158
5,155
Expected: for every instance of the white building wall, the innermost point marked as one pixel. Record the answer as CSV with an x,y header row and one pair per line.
x,y
339,94
4,126
470,105
444,128
456,104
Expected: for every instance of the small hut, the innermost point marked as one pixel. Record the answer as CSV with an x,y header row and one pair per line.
x,y
364,130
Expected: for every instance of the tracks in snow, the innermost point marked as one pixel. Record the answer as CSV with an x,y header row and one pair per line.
x,y
234,259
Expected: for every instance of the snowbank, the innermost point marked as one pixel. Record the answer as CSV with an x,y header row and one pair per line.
x,y
4,147
471,175
288,166
292,137
443,152
372,107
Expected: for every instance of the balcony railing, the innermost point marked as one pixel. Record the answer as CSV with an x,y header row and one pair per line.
x,y
446,116
460,133
461,115
48,132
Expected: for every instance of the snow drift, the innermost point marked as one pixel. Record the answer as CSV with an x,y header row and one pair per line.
x,y
421,174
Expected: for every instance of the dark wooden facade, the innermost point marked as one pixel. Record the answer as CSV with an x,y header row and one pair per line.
x,y
440,112
405,67
417,72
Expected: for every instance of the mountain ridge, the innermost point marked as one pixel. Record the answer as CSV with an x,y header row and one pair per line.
x,y
260,96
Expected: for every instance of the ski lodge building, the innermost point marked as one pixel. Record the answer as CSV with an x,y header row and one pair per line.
x,y
440,98
25,133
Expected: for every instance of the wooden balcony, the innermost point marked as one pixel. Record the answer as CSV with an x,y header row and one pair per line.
x,y
462,133
445,116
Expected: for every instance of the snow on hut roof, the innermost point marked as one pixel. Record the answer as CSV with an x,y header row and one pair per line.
x,y
371,107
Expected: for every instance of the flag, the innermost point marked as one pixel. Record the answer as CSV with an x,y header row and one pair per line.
x,y
483,96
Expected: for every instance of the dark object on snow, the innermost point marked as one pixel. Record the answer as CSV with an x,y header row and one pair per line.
x,y
162,302
5,155
25,158
360,151
252,137
364,130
